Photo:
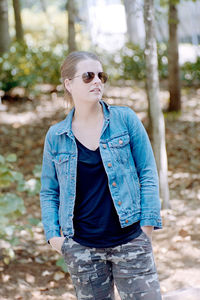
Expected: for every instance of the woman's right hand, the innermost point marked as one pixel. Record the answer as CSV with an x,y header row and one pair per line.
x,y
56,243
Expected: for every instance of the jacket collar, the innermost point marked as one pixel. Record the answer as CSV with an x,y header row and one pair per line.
x,y
66,125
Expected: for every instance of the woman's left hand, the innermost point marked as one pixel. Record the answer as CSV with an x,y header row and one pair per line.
x,y
148,230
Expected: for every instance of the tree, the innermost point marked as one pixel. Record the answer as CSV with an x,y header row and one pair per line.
x,y
18,21
173,58
71,8
156,115
4,27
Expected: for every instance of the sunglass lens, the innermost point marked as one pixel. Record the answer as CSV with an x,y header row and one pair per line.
x,y
103,77
88,76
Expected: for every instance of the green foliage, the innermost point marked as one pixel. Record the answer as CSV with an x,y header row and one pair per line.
x,y
11,206
190,72
130,62
61,263
33,185
7,175
27,66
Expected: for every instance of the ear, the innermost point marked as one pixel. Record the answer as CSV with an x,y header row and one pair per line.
x,y
67,85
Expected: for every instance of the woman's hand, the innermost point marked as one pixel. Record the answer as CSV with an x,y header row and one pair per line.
x,y
56,243
148,230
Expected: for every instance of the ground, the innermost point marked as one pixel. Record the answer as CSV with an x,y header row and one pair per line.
x,y
33,273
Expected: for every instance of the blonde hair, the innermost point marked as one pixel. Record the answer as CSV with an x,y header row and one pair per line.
x,y
68,68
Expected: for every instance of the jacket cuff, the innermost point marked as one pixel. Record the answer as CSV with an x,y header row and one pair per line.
x,y
156,223
51,234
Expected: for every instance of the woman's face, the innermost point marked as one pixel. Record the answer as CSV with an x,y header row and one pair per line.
x,y
86,92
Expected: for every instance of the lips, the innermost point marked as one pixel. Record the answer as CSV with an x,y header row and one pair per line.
x,y
96,90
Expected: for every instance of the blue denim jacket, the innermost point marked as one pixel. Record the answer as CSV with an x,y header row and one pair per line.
x,y
129,164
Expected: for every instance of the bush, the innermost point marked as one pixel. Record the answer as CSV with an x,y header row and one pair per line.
x,y
129,64
190,72
27,66
11,205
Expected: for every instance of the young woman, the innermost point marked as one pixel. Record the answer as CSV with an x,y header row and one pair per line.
x,y
99,195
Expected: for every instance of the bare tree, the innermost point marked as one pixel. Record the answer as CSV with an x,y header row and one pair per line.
x,y
156,115
4,27
173,59
18,21
71,8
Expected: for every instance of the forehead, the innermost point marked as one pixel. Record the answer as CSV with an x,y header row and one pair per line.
x,y
89,65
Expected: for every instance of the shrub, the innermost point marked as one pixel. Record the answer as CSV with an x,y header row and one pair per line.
x,y
11,205
27,66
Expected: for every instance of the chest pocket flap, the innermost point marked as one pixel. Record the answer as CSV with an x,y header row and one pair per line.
x,y
61,164
119,141
61,158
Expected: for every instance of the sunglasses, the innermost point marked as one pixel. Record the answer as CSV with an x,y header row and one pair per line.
x,y
87,77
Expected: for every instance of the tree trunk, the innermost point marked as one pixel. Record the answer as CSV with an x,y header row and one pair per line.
x,y
173,59
156,115
133,11
4,27
71,25
18,21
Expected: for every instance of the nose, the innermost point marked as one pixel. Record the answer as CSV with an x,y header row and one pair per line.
x,y
97,79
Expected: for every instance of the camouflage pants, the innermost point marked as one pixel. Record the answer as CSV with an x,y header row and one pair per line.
x,y
130,266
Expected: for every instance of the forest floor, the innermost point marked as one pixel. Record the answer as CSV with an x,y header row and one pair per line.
x,y
33,273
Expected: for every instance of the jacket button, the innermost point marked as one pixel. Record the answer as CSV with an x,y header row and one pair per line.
x,y
104,146
109,165
119,202
126,221
120,142
114,183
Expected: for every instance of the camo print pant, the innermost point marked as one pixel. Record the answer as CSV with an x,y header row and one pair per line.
x,y
130,266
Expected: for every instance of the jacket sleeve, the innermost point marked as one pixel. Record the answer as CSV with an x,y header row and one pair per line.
x,y
147,172
49,194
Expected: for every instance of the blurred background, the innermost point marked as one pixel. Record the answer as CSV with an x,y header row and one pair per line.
x,y
36,36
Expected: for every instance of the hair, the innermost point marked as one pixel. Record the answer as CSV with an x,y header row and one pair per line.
x,y
69,67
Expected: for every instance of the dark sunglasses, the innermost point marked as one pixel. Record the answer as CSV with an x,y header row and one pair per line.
x,y
89,76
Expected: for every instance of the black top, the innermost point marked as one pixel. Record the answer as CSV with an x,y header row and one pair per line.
x,y
96,222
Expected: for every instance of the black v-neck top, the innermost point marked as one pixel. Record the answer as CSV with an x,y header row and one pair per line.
x,y
96,223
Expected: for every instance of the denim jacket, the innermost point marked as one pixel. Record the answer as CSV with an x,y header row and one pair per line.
x,y
129,163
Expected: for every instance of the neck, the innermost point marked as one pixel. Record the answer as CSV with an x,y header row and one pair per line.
x,y
87,113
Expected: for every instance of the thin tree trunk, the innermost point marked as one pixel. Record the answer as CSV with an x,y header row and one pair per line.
x,y
18,21
173,59
4,27
71,25
133,9
156,115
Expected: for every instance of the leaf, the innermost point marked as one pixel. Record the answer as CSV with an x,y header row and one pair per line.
x,y
2,160
34,221
11,204
61,263
11,157
17,175
37,171
5,179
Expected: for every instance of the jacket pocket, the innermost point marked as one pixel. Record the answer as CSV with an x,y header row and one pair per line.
x,y
120,148
61,163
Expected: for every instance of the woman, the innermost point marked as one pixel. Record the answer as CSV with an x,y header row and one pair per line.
x,y
99,195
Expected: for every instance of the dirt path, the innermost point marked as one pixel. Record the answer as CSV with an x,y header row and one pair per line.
x,y
33,273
